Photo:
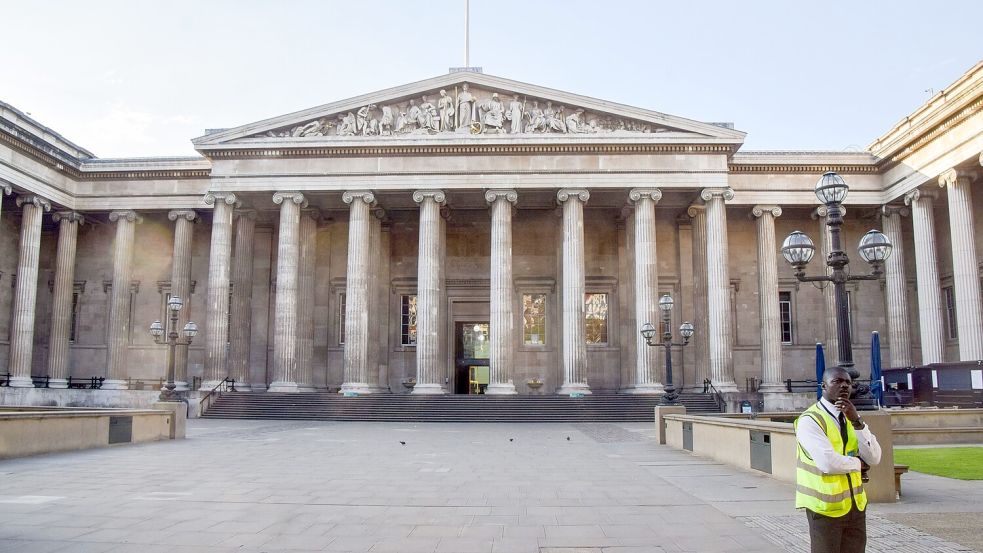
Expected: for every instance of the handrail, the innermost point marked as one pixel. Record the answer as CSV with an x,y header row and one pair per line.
x,y
708,387
226,385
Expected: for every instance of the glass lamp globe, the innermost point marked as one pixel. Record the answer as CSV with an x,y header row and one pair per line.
x,y
648,331
156,328
798,248
831,188
686,330
665,302
190,329
875,247
175,303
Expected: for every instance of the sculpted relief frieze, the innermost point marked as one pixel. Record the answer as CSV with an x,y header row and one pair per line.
x,y
465,110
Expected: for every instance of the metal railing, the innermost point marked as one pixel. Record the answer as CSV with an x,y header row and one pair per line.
x,y
709,388
226,385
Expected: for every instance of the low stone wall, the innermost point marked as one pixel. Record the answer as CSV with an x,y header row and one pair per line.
x,y
63,397
937,426
30,431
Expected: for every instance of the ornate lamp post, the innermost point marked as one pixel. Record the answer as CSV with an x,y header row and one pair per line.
x,y
648,332
874,248
174,305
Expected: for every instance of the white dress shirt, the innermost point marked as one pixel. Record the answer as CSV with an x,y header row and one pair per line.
x,y
812,438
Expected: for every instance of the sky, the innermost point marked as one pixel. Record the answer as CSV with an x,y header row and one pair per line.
x,y
134,78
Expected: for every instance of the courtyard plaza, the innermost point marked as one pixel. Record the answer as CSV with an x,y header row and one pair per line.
x,y
263,486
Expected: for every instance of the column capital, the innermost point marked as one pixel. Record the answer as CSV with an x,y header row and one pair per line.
x,y
493,194
636,194
38,201
822,211
70,216
228,197
759,210
365,195
295,197
694,210
186,214
709,193
954,176
249,214
918,194
900,210
564,194
125,214
6,189
437,195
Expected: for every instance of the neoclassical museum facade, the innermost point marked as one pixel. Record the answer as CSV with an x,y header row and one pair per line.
x,y
469,233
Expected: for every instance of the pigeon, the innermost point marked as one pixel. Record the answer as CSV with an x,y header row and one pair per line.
x,y
568,438
404,443
511,439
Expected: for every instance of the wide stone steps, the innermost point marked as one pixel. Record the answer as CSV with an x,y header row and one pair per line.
x,y
601,407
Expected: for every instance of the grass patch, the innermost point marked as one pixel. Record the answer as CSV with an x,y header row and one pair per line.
x,y
963,463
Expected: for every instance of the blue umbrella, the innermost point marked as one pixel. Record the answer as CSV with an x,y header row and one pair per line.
x,y
875,367
820,369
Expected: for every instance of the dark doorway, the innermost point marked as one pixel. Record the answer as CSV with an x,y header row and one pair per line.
x,y
471,357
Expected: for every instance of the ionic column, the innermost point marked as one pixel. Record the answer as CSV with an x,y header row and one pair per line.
x,y
647,374
927,275
896,289
242,298
285,316
61,303
771,340
965,271
219,275
719,324
184,227
119,301
305,294
26,291
502,324
357,355
574,333
701,339
377,299
429,293
831,346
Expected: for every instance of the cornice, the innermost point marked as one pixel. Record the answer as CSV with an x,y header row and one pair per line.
x,y
933,133
803,169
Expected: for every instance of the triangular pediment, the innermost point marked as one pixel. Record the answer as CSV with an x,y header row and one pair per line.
x,y
466,105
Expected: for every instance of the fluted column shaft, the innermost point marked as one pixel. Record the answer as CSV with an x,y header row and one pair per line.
x,y
305,295
61,302
356,369
26,291
119,301
701,340
574,332
896,289
285,317
965,271
181,285
219,275
429,293
242,294
927,275
719,324
377,298
647,373
829,297
502,323
771,340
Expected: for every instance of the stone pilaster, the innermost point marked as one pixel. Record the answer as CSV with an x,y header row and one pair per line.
x,y
701,339
927,275
285,313
965,271
831,345
771,340
574,333
896,289
119,301
647,374
61,303
219,276
430,288
357,355
240,333
184,228
719,324
305,290
502,324
26,291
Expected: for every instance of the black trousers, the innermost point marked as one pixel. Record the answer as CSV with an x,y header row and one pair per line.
x,y
846,534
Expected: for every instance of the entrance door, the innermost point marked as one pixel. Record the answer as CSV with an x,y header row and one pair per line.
x,y
471,357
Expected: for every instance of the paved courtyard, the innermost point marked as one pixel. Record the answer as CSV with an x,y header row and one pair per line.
x,y
248,486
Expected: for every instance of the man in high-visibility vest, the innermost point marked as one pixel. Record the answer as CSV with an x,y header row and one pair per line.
x,y
835,447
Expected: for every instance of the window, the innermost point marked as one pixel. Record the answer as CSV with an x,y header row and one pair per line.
x,y
596,307
407,320
952,328
785,316
341,319
534,319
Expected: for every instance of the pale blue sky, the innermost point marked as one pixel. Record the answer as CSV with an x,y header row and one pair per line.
x,y
140,78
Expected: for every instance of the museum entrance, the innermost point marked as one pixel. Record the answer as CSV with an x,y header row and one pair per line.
x,y
471,357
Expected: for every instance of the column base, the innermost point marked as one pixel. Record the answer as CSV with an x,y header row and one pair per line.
x,y
500,389
302,388
429,389
726,387
114,385
283,387
58,383
20,382
181,386
654,388
771,388
243,387
359,388
209,385
573,388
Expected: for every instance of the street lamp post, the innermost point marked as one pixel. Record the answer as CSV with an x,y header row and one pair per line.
x,y
874,248
648,332
172,340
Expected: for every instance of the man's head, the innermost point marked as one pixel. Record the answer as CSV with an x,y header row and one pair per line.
x,y
837,384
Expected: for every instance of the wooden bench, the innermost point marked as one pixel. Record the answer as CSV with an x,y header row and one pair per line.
x,y
898,471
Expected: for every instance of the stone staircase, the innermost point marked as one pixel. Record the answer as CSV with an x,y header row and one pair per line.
x,y
599,407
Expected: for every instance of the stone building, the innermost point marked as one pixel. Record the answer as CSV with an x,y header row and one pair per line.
x,y
472,233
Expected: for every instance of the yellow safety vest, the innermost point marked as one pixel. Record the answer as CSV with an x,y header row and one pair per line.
x,y
828,494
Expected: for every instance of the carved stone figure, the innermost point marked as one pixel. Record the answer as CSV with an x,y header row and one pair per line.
x,y
465,107
537,122
386,123
554,118
573,122
514,114
428,116
492,114
401,122
413,115
445,104
362,118
347,126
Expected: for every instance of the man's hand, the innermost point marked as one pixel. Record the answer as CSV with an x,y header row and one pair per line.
x,y
849,411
